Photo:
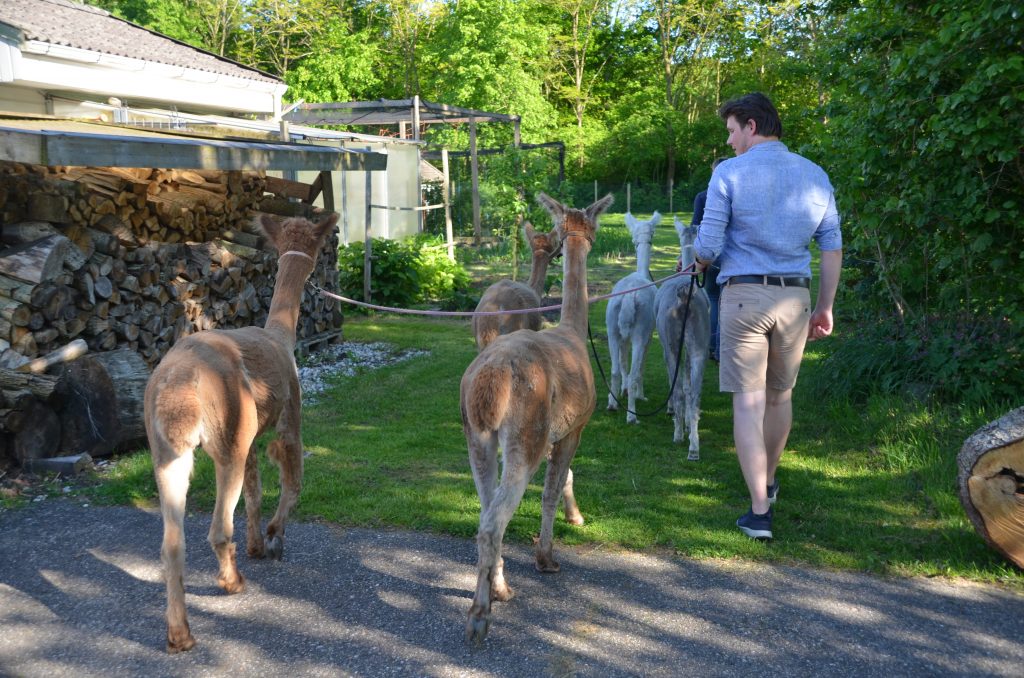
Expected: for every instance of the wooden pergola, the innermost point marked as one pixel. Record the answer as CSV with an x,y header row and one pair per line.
x,y
408,115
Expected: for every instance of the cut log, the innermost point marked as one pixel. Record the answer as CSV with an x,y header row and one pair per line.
x,y
75,349
25,232
991,482
38,435
90,420
37,261
129,372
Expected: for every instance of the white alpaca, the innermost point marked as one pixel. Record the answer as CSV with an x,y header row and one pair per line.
x,y
630,321
672,309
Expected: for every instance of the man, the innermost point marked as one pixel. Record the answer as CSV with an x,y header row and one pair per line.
x,y
763,208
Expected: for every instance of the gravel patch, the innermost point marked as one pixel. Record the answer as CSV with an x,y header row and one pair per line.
x,y
347,359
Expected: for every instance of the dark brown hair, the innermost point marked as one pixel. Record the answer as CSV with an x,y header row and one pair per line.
x,y
757,107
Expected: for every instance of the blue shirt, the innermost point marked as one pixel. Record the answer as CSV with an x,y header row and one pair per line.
x,y
763,208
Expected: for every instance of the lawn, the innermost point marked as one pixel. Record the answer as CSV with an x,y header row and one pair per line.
x,y
869,488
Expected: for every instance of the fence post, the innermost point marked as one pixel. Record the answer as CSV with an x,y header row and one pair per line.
x,y
671,183
447,206
628,198
367,238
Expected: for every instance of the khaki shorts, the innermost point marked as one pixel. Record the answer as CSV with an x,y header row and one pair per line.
x,y
763,332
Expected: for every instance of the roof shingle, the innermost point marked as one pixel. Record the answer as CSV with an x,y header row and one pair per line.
x,y
72,24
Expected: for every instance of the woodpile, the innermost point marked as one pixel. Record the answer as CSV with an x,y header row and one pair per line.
x,y
134,259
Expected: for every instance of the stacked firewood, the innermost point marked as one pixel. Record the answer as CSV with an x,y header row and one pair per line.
x,y
121,263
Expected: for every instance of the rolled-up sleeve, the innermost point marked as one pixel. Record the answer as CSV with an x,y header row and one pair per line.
x,y
828,234
711,235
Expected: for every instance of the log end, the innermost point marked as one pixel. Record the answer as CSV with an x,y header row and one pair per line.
x,y
991,484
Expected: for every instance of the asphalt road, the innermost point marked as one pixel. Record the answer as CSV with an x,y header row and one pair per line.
x,y
81,595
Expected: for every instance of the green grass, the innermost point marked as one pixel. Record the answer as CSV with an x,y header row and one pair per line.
x,y
863,488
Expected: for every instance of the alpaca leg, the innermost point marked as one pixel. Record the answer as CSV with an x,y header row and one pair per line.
x,y
253,493
493,521
230,473
697,360
554,482
287,454
635,380
644,346
172,479
483,460
615,388
572,511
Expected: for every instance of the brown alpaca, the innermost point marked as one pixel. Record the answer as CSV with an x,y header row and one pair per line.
x,y
506,295
221,389
532,393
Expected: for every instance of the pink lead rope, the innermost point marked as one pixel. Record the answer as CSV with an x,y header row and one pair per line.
x,y
464,314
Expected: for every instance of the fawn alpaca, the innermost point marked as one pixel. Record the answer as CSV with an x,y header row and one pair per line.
x,y
509,295
221,389
532,393
672,313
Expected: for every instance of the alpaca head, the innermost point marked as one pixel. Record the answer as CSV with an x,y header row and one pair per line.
x,y
545,246
642,231
297,234
571,221
687,236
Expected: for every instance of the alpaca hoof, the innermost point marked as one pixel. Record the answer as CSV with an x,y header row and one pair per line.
x,y
179,639
503,593
612,407
631,419
694,455
232,585
256,550
275,547
546,564
476,629
574,518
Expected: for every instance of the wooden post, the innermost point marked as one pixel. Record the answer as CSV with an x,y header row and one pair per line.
x,y
327,187
475,172
344,208
671,182
515,132
595,190
286,136
628,210
447,205
421,217
367,239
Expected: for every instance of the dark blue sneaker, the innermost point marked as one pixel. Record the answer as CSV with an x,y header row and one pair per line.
x,y
756,525
773,491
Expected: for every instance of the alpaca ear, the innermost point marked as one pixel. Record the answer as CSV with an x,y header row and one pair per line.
x,y
599,207
326,225
630,222
269,226
679,225
528,231
655,218
554,208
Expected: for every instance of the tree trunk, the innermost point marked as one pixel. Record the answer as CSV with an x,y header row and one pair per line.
x,y
991,482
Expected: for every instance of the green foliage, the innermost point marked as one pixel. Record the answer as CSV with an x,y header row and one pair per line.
x,y
925,139
403,273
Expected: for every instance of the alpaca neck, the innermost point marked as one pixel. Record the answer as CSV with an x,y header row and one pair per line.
x,y
283,316
575,301
643,259
687,255
538,273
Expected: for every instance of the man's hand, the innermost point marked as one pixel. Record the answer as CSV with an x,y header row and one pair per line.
x,y
820,325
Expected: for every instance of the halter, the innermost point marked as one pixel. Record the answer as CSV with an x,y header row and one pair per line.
x,y
301,254
579,234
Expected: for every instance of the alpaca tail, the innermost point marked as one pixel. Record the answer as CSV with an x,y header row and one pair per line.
x,y
627,314
487,397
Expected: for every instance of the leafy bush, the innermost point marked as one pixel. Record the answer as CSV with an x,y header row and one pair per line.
x,y
961,360
404,273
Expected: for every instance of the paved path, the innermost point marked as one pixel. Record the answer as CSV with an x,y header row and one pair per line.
x,y
81,595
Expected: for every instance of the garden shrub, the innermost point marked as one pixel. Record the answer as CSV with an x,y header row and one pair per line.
x,y
404,273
